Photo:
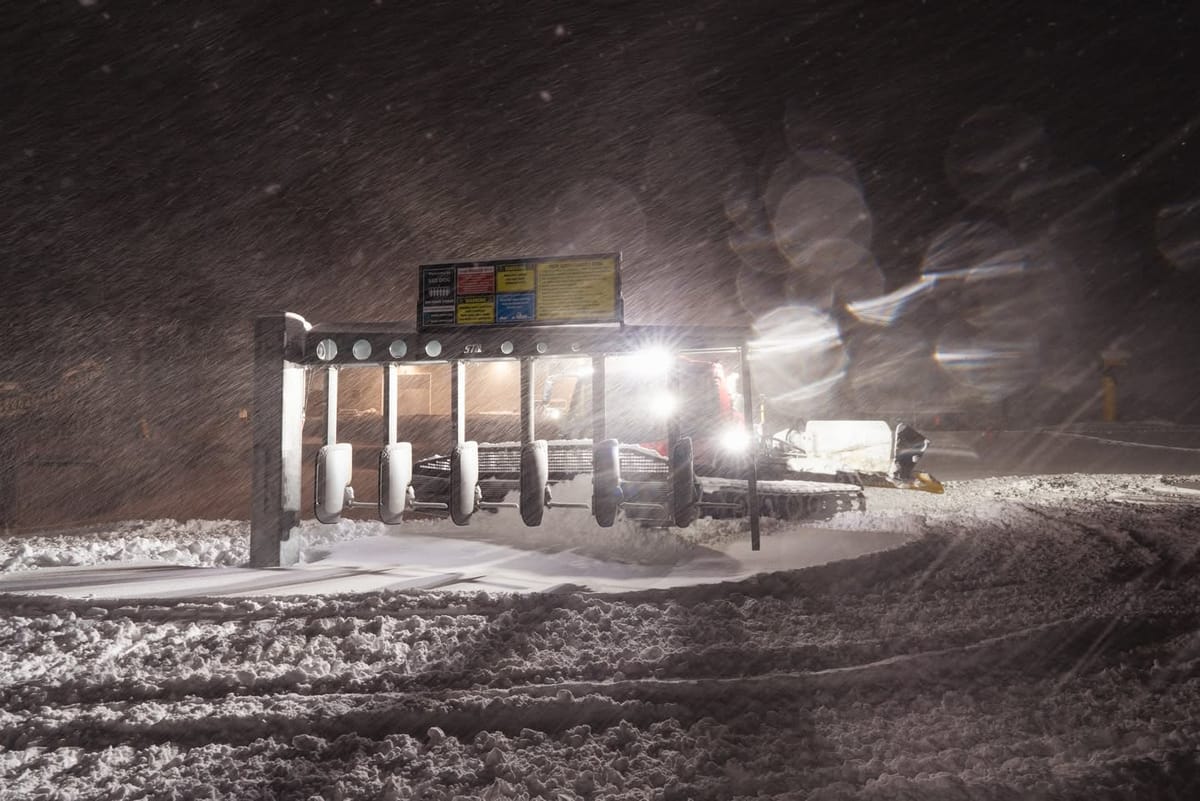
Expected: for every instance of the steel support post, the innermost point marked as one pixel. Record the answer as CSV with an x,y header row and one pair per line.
x,y
599,424
10,429
527,401
278,433
674,413
390,402
331,405
752,475
458,401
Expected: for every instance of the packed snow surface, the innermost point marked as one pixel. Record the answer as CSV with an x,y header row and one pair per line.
x,y
1012,638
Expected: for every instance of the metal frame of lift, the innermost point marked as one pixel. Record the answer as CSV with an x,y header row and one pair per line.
x,y
287,348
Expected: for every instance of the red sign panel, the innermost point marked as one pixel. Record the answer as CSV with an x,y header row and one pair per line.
x,y
476,280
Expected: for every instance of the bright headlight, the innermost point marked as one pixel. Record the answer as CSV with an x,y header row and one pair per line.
x,y
734,440
652,361
663,404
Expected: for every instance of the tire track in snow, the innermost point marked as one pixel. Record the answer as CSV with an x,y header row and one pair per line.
x,y
1026,655
715,661
1163,559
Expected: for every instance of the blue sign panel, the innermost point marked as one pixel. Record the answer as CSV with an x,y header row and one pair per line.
x,y
514,307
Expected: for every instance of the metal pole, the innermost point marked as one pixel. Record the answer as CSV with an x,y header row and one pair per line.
x,y
676,410
752,476
390,401
331,405
527,401
599,427
277,421
9,462
458,401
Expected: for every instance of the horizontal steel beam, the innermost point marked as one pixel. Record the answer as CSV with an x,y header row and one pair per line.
x,y
387,343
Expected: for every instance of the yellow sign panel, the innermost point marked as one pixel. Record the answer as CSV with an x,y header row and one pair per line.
x,y
476,311
516,278
577,289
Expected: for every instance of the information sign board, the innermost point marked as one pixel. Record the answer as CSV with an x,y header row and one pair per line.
x,y
561,290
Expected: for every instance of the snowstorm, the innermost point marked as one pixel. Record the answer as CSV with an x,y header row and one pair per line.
x,y
715,400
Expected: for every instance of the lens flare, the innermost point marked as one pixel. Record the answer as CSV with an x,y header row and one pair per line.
x,y
816,209
996,365
963,246
887,309
893,371
758,292
799,358
835,270
803,165
984,277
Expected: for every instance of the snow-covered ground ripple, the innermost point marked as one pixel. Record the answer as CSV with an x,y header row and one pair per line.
x,y
1037,638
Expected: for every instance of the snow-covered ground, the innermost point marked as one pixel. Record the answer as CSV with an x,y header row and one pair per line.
x,y
1030,637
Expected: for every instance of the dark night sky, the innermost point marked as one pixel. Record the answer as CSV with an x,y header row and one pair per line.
x,y
178,168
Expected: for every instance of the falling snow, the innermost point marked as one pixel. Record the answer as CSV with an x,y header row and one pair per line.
x,y
989,223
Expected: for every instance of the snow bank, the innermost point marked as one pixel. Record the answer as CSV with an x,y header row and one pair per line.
x,y
195,543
